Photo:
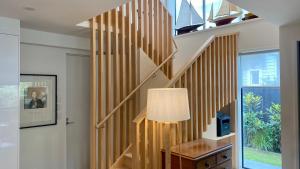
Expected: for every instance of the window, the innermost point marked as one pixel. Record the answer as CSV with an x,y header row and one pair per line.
x,y
193,15
254,77
260,110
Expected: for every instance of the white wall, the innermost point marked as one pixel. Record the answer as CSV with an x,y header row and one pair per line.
x,y
9,93
158,80
289,35
45,53
255,35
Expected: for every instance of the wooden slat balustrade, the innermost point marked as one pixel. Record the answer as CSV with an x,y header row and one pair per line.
x,y
116,123
116,37
210,78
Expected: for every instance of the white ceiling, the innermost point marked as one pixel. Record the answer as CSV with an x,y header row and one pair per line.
x,y
279,12
59,16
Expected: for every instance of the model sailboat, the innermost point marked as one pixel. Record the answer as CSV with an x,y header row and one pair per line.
x,y
188,19
226,14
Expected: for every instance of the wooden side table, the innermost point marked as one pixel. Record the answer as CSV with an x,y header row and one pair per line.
x,y
201,154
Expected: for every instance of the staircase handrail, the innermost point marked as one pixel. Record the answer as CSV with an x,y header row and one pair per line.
x,y
142,115
100,124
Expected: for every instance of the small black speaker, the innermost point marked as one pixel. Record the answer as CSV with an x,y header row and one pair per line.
x,y
223,124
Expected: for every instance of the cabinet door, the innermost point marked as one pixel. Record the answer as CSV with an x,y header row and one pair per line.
x,y
9,101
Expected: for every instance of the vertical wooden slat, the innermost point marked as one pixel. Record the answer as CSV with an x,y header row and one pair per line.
x,y
164,45
185,124
158,146
174,133
136,146
151,26
170,46
101,109
233,59
135,58
217,74
146,134
229,68
235,65
208,81
124,76
150,144
160,26
233,112
213,77
146,23
190,93
129,70
142,143
195,101
166,41
222,72
140,23
204,110
154,146
156,34
180,136
93,97
109,88
116,83
226,69
200,107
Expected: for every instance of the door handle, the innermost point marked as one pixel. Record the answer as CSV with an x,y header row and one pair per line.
x,y
69,122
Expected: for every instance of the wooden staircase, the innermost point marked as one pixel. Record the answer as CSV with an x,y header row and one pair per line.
x,y
211,80
121,136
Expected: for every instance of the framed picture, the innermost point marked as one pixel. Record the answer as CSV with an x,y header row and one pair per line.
x,y
38,100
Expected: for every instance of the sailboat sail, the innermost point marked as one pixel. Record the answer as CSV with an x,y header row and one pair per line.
x,y
234,8
226,9
211,14
196,19
187,15
183,13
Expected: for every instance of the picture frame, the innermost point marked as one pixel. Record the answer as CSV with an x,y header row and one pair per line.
x,y
38,100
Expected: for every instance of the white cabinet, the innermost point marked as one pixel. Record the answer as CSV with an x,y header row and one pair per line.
x,y
9,100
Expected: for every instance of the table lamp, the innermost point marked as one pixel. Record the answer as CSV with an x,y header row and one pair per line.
x,y
168,105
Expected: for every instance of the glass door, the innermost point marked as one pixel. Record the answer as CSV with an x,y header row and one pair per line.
x,y
260,110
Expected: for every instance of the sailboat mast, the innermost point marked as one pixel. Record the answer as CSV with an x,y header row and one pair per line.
x,y
229,9
212,10
191,13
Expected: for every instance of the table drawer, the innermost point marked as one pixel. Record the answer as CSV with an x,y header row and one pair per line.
x,y
224,156
208,162
226,165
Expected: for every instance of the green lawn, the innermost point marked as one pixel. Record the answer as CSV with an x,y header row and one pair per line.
x,y
262,156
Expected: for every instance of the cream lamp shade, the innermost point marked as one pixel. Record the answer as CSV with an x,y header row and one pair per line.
x,y
168,105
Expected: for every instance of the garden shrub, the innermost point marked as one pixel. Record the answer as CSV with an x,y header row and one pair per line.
x,y
262,127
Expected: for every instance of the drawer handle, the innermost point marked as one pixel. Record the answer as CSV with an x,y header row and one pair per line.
x,y
207,165
224,156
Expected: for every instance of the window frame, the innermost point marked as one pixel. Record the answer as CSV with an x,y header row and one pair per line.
x,y
240,116
203,13
250,77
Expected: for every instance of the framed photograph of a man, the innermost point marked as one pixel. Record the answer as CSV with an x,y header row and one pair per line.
x,y
38,100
